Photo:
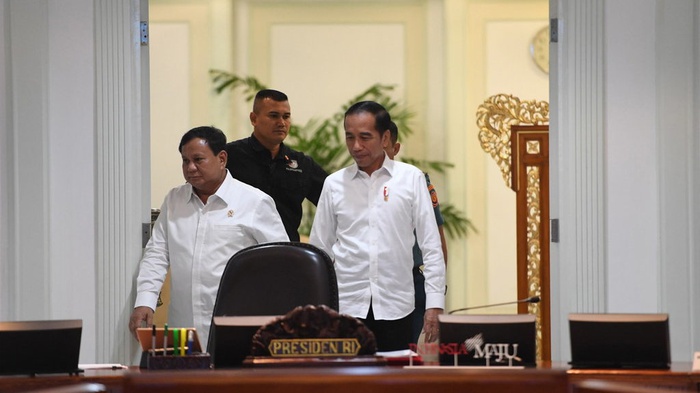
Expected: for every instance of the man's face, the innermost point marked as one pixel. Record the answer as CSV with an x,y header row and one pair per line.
x,y
201,168
365,144
271,120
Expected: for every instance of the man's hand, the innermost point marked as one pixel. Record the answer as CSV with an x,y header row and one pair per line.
x,y
138,317
431,328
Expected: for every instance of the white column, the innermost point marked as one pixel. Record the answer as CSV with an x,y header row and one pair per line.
x,y
695,203
122,169
577,165
27,272
677,133
5,164
637,250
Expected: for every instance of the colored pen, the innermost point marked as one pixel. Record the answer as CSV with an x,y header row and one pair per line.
x,y
165,339
153,339
183,338
190,341
176,341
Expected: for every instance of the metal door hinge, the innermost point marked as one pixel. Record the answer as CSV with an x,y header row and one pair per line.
x,y
143,30
145,233
554,30
554,230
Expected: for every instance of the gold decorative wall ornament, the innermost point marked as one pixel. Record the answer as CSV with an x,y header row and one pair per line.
x,y
516,135
534,251
496,116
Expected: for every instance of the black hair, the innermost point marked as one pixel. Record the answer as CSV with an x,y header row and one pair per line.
x,y
393,132
274,95
382,119
215,138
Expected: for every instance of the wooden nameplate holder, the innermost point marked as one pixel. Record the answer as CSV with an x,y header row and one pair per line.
x,y
314,336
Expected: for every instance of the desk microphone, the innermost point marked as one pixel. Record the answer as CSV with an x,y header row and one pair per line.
x,y
531,299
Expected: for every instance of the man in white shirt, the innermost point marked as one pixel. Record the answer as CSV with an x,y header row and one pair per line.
x,y
365,220
201,225
418,280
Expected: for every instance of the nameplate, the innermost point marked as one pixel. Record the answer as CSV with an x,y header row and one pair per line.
x,y
314,347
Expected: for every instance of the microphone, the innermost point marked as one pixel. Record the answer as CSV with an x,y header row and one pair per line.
x,y
531,299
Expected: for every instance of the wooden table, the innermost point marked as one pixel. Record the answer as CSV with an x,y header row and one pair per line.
x,y
112,379
545,378
679,377
350,380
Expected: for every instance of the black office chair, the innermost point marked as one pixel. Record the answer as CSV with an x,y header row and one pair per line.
x,y
273,279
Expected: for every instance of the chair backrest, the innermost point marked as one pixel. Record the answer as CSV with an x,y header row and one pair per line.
x,y
273,279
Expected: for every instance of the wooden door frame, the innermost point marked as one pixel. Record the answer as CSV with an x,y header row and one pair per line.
x,y
530,181
516,135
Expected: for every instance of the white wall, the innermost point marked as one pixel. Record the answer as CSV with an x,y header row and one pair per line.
x,y
320,63
70,170
625,163
651,138
4,161
50,161
678,136
71,136
631,144
170,104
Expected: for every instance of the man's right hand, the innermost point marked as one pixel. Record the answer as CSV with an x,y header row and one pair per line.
x,y
138,317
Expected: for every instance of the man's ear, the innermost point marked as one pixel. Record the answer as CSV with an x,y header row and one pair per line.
x,y
223,157
397,147
386,139
253,118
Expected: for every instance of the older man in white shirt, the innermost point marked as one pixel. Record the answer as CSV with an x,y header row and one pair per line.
x,y
365,220
201,225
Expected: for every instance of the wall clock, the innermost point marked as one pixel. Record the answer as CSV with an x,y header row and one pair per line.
x,y
539,49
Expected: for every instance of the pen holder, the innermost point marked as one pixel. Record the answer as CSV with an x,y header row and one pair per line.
x,y
171,362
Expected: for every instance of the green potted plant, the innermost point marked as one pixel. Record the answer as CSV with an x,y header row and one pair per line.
x,y
323,140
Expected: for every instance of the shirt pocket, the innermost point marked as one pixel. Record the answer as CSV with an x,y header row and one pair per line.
x,y
224,241
224,235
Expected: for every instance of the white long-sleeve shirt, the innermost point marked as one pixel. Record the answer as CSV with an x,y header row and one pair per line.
x,y
196,241
366,224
